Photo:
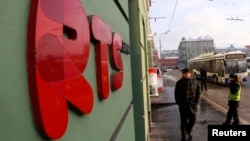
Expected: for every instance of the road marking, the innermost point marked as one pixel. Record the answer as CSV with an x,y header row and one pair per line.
x,y
221,108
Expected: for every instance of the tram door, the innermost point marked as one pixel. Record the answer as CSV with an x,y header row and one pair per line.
x,y
220,69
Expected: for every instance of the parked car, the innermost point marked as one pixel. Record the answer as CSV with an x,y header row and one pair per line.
x,y
167,69
164,70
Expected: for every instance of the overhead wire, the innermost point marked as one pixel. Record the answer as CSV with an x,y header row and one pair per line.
x,y
245,13
172,15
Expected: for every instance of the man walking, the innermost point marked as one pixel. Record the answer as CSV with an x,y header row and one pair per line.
x,y
187,95
203,74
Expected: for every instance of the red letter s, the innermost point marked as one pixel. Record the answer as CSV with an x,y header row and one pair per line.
x,y
116,59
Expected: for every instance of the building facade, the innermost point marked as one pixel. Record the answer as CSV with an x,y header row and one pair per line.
x,y
232,48
74,70
190,48
169,53
170,62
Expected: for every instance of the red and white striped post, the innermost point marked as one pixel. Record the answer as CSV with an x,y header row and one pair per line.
x,y
153,84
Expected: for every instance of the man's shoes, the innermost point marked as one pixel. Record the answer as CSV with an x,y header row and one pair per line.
x,y
190,137
236,121
183,138
226,123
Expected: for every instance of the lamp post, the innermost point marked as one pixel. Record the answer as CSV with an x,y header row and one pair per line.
x,y
166,32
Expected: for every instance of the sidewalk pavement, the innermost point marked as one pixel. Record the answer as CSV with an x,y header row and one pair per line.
x,y
165,124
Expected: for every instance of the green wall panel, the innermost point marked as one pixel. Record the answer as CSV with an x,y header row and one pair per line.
x,y
16,118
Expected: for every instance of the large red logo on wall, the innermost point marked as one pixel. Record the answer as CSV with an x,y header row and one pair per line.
x,y
59,35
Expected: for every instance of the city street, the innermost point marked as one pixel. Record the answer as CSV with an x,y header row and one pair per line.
x,y
212,110
217,94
